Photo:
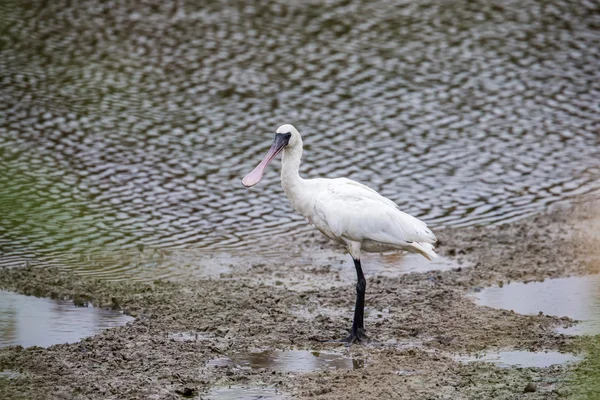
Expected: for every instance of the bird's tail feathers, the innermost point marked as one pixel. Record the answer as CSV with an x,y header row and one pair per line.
x,y
426,249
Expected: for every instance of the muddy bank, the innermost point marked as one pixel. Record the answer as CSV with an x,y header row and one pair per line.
x,y
418,323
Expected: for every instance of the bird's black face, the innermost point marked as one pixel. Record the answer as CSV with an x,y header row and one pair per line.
x,y
281,140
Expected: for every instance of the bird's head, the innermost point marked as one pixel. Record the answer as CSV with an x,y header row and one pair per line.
x,y
285,136
289,130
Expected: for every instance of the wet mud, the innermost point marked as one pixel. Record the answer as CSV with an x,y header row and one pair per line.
x,y
420,325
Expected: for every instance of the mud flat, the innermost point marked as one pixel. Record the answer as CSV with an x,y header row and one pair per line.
x,y
243,338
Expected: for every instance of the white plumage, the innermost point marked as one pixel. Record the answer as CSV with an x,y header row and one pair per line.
x,y
347,212
361,219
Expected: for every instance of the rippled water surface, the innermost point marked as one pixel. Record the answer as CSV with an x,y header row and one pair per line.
x,y
125,128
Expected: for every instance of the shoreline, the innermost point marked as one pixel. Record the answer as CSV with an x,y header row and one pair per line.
x,y
419,322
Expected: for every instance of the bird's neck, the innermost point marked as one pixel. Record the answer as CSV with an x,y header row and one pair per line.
x,y
290,171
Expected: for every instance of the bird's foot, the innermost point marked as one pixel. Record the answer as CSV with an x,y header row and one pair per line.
x,y
354,337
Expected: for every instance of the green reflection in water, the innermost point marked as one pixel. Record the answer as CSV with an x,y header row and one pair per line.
x,y
44,217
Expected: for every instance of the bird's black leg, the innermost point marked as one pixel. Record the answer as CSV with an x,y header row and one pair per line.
x,y
358,324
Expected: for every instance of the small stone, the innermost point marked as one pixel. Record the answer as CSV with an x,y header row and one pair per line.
x,y
530,388
187,392
79,301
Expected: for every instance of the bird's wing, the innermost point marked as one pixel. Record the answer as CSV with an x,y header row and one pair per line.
x,y
345,185
356,212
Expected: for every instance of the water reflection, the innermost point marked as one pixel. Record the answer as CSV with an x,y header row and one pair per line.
x,y
575,297
132,132
32,321
188,336
324,269
244,393
288,361
526,359
8,374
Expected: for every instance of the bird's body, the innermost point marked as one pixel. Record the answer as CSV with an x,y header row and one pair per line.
x,y
355,215
345,211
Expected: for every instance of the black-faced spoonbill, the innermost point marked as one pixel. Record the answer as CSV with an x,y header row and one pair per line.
x,y
347,212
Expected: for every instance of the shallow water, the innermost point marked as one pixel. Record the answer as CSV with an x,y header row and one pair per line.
x,y
125,128
243,393
338,269
289,361
32,321
8,374
575,297
189,336
538,359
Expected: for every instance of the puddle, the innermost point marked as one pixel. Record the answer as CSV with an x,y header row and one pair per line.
x,y
188,336
575,297
518,358
288,361
243,393
387,264
32,321
8,374
330,268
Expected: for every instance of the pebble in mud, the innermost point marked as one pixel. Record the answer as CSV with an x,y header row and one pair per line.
x,y
187,392
530,388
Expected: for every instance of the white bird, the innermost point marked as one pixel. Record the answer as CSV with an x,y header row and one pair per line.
x,y
347,212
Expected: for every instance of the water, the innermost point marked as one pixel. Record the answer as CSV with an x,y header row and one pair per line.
x,y
8,374
526,359
189,336
289,361
125,128
574,297
339,269
243,393
32,321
